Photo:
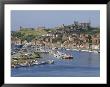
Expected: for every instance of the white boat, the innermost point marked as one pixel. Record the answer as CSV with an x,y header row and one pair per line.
x,y
50,61
67,57
35,63
96,51
23,65
68,49
58,54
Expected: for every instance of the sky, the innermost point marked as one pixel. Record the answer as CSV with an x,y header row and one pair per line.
x,y
52,18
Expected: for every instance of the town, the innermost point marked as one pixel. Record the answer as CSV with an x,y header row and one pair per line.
x,y
29,43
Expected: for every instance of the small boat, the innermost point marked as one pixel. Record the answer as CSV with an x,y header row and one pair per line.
x,y
67,57
90,51
68,49
23,65
58,54
35,63
50,61
43,62
17,66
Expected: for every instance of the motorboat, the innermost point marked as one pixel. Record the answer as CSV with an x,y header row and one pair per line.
x,y
35,63
67,57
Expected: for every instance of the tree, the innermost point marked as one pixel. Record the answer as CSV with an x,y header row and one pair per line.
x,y
90,41
29,38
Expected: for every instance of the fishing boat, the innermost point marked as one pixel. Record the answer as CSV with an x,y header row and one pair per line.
x,y
61,55
67,57
58,54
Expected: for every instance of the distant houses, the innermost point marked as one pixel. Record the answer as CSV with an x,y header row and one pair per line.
x,y
75,26
15,40
67,36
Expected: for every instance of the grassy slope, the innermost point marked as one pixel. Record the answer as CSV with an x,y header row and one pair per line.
x,y
37,32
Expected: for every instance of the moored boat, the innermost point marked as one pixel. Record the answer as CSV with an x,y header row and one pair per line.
x,y
50,61
67,57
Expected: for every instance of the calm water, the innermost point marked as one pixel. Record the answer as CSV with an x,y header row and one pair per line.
x,y
84,64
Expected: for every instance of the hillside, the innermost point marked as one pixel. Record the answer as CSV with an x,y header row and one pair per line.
x,y
28,34
37,32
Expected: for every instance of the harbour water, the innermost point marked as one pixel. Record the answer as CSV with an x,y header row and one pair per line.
x,y
84,64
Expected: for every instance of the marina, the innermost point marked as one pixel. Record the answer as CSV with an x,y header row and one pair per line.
x,y
84,64
29,55
29,62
